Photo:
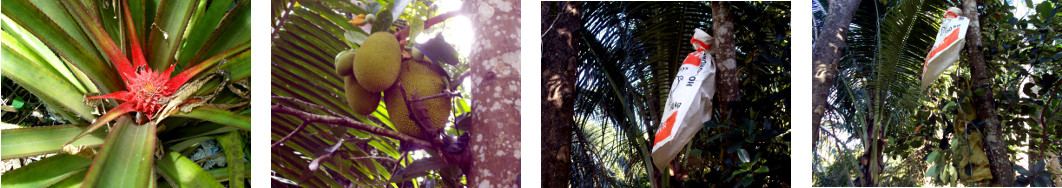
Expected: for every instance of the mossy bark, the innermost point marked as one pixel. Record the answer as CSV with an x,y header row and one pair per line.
x,y
495,73
985,103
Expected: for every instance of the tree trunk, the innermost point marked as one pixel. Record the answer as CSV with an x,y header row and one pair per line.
x,y
871,162
725,58
826,53
495,71
561,26
1002,174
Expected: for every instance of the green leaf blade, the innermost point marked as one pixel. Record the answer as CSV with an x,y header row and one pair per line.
x,y
47,171
42,140
184,172
234,30
219,116
68,46
126,158
170,24
40,80
233,144
206,23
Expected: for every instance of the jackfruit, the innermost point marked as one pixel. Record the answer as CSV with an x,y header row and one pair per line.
x,y
344,62
418,79
377,61
363,102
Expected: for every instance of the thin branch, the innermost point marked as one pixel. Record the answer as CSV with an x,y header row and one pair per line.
x,y
457,82
371,157
282,140
444,94
428,23
554,21
347,122
394,171
302,102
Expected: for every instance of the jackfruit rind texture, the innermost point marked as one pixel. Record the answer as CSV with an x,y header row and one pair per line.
x,y
418,80
377,61
363,102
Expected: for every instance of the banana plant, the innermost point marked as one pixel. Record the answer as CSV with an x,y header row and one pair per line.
x,y
175,74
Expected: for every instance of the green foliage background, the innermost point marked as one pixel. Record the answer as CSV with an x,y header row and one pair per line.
x,y
1022,53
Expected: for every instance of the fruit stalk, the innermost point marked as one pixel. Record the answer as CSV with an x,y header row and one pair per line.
x,y
419,114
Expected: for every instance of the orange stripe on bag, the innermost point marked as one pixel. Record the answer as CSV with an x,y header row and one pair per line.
x,y
702,44
947,42
692,59
666,130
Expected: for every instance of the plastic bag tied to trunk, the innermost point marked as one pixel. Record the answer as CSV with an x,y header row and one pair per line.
x,y
949,41
689,104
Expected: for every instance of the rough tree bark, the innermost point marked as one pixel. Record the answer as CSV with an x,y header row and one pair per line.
x,y
723,32
561,26
495,72
826,53
1002,174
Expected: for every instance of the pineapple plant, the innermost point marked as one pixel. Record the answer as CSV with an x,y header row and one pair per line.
x,y
173,75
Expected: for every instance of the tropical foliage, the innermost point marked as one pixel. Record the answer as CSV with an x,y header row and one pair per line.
x,y
876,114
68,53
346,149
630,53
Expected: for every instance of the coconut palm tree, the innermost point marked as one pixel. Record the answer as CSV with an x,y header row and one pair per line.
x,y
874,96
630,53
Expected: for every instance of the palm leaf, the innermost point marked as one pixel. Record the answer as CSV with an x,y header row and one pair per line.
x,y
878,76
633,50
306,36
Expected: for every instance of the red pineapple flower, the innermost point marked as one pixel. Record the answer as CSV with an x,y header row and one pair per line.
x,y
147,90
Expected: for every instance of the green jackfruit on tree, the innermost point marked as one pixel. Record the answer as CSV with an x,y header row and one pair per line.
x,y
418,79
377,61
363,102
345,62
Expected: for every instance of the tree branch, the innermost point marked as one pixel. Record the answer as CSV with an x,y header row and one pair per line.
x,y
282,140
444,94
401,35
347,122
415,113
302,102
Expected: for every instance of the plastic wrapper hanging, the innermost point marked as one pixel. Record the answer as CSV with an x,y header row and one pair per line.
x,y
689,103
949,41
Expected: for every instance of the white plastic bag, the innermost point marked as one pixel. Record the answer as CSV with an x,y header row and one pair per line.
x,y
689,104
950,39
